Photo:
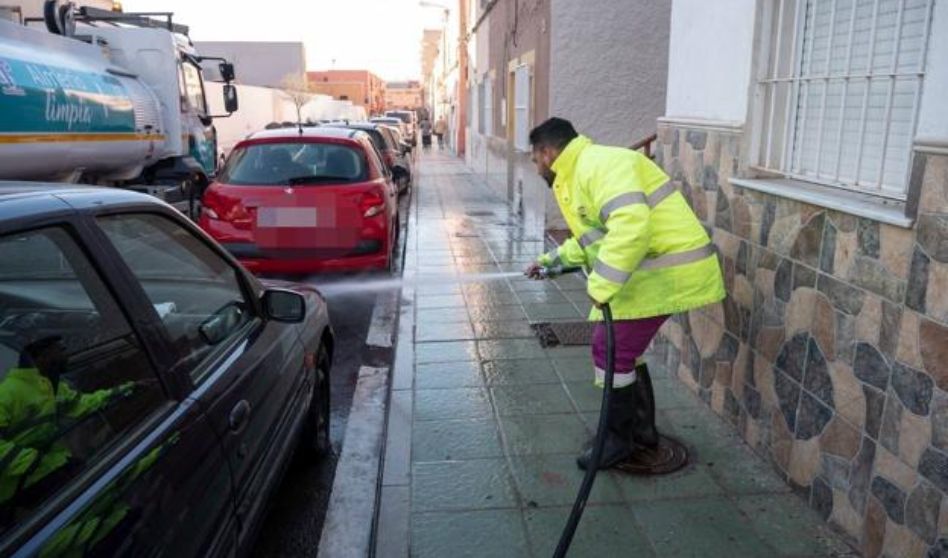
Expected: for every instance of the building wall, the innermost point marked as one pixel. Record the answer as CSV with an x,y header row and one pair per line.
x,y
710,52
352,91
263,64
403,96
363,88
519,31
608,73
933,117
830,353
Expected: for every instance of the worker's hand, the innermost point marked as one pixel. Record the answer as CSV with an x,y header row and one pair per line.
x,y
533,271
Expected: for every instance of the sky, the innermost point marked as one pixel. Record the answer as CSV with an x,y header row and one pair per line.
x,y
383,36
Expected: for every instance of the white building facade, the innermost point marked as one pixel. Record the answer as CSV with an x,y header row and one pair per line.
x,y
600,64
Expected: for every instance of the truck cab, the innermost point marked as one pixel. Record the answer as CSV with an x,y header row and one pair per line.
x,y
170,66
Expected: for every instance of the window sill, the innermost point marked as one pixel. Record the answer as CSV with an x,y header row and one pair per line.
x,y
861,205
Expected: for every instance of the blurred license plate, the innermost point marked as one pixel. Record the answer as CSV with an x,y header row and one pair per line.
x,y
286,217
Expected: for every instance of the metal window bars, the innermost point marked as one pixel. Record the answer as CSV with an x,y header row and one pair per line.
x,y
806,84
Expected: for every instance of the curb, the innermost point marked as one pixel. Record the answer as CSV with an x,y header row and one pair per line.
x,y
350,515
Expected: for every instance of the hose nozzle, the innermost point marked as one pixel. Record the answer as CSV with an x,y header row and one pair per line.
x,y
549,272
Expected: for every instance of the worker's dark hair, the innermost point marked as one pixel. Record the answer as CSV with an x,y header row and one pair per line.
x,y
555,132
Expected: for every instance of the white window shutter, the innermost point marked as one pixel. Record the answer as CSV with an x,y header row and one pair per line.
x,y
488,107
522,108
848,104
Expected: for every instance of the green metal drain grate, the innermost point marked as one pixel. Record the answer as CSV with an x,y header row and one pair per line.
x,y
553,334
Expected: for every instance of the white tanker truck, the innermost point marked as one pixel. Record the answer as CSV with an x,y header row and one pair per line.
x,y
108,98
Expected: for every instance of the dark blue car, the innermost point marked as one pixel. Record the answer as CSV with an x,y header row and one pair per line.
x,y
152,391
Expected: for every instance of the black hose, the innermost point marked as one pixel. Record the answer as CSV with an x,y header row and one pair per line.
x,y
566,538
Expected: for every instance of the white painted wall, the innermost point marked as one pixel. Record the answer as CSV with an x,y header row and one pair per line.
x,y
263,64
608,63
933,118
710,56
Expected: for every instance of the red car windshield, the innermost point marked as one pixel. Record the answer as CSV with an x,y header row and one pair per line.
x,y
290,164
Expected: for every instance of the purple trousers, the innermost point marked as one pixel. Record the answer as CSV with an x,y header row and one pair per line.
x,y
632,337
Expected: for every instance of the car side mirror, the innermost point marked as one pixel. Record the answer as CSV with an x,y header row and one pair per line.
x,y
227,71
281,305
406,148
230,98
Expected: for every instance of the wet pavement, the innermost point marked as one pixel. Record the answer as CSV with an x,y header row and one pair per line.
x,y
298,507
484,423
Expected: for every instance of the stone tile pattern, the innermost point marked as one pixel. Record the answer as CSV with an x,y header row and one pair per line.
x,y
830,354
497,420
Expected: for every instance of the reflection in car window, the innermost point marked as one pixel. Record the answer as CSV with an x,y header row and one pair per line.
x,y
196,292
284,164
390,142
73,376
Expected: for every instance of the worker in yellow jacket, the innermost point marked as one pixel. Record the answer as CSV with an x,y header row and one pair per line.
x,y
646,254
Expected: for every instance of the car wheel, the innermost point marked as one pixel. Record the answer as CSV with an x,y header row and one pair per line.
x,y
392,267
316,441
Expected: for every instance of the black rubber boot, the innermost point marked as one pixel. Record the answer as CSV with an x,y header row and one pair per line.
x,y
641,429
618,447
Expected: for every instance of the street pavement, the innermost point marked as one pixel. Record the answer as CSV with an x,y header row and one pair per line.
x,y
484,423
298,507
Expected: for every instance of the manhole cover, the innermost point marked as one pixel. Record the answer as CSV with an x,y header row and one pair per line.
x,y
552,334
670,456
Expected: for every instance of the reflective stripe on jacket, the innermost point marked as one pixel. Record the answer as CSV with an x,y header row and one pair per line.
x,y
646,251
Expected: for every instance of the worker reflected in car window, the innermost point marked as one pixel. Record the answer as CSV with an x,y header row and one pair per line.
x,y
89,533
38,410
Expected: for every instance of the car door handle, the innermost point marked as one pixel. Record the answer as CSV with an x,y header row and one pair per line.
x,y
238,416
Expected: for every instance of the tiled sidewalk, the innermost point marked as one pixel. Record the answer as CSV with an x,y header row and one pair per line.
x,y
484,424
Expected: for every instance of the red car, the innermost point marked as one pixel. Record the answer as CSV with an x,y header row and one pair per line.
x,y
293,201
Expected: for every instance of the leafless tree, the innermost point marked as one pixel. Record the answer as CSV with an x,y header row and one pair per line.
x,y
297,88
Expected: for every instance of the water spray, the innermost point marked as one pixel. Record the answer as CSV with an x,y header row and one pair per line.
x,y
353,285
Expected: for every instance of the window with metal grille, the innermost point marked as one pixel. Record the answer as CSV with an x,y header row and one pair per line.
x,y
841,91
522,108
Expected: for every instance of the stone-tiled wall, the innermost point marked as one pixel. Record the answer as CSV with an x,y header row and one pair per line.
x,y
830,354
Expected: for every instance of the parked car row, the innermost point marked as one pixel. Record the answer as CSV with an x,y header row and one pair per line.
x,y
410,119
152,388
306,200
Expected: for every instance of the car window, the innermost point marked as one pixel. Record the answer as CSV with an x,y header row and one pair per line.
x,y
196,293
375,158
376,138
403,116
290,164
389,139
74,379
388,121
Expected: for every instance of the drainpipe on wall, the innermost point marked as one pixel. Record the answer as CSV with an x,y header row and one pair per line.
x,y
462,79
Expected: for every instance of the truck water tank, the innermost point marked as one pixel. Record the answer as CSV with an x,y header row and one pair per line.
x,y
66,111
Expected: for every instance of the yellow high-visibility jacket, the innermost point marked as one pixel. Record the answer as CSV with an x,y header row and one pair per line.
x,y
646,252
32,415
